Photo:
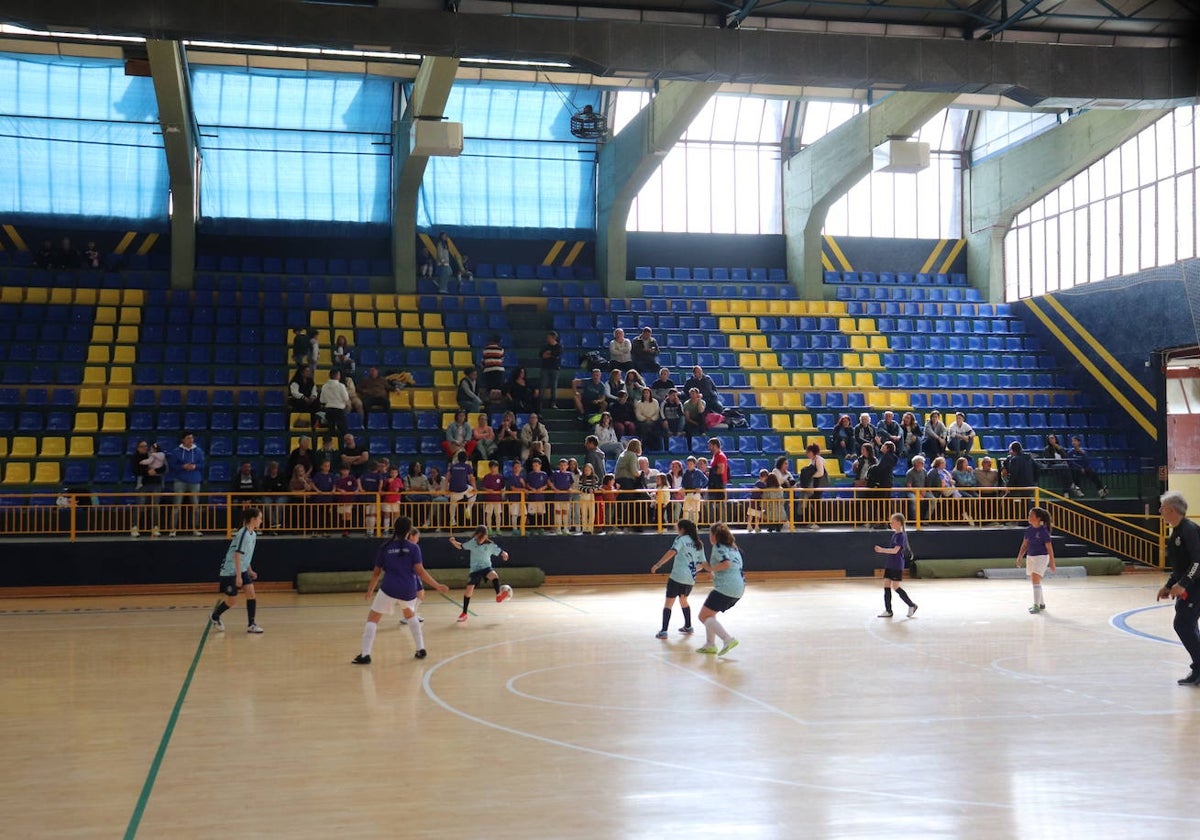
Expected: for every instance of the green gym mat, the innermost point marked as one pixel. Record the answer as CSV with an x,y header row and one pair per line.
x,y
311,583
972,568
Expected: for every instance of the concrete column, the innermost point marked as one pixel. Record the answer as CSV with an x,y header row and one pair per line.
x,y
822,173
1005,184
431,90
176,118
628,160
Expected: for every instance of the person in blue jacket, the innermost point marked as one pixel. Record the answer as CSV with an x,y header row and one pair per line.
x,y
185,466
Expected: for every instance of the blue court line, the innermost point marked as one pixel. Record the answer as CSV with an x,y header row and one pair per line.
x,y
1121,622
160,753
557,601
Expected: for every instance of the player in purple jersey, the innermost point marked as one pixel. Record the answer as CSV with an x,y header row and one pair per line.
x,y
898,553
1038,553
398,563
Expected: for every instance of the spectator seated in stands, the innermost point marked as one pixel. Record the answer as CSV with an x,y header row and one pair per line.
x,y
353,456
671,416
606,436
615,384
521,397
468,394
533,432
1081,468
693,416
537,455
439,499
888,429
934,443
465,268
662,385
620,349
417,493
327,452
303,395
648,415
245,485
444,272
485,439
964,477
44,258
1054,460
301,347
960,437
343,356
303,455
300,482
591,396
66,257
633,384
986,475
459,436
645,351
704,383
91,256
841,439
881,476
916,480
493,368
354,404
623,416
508,439
373,391
864,432
911,435
863,464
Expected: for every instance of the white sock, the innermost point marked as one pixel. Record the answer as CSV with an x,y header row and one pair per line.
x,y
368,641
414,627
714,628
1037,594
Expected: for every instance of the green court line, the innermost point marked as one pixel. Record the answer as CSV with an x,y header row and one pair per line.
x,y
456,603
152,775
557,601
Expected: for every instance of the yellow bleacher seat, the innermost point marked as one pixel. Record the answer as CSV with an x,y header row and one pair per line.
x,y
758,307
318,318
413,338
768,400
843,380
364,320
47,472
791,399
822,380
98,354
879,342
130,315
726,323
768,361
797,307
758,342
439,359
93,376
342,319
23,447
851,361
133,297
482,468
748,361
793,444
120,376
819,440
879,399
865,381
759,381
447,418
360,301
116,398
102,334
17,472
835,307
410,320
459,340
781,422
114,421
86,297
858,342
3,447
436,339
82,446
91,397
801,380
432,320
423,400
777,307
463,359
54,447
444,379
106,315
402,303
803,423
872,361
11,294
866,325
780,380
386,320
847,325
109,297
339,301
738,341
400,400
37,294
718,307
738,307
60,295
446,399
747,325
126,335
124,354
87,421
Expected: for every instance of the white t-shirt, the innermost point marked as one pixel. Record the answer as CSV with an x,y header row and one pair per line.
x,y
334,394
620,351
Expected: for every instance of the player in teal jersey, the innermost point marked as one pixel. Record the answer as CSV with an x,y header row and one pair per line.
x,y
236,572
482,550
728,588
688,553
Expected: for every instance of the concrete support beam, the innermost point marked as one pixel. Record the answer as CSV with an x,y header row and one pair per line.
x,y
822,173
627,162
171,87
431,90
1005,184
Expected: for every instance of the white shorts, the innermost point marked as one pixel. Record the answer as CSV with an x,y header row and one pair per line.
x,y
345,510
386,605
1036,564
390,507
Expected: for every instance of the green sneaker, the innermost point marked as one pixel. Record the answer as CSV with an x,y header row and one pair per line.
x,y
1036,608
730,645
707,649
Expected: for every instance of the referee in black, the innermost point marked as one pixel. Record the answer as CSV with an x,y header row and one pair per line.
x,y
1183,556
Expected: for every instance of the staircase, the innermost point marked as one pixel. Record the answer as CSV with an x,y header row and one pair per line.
x,y
1118,536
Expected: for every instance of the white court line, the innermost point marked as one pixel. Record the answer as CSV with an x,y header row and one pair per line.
x,y
427,686
773,709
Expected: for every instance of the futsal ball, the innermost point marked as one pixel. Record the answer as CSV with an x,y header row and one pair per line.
x,y
507,589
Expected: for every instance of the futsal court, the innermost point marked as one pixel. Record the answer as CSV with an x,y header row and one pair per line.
x,y
558,714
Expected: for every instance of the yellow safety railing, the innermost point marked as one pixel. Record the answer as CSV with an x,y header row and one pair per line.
x,y
1141,539
653,510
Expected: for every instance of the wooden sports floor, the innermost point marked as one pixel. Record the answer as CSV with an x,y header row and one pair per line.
x,y
558,714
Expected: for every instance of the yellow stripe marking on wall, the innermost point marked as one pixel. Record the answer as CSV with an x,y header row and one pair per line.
x,y
427,240
954,252
125,242
937,252
573,254
837,252
147,244
1108,358
1081,357
825,262
16,238
554,252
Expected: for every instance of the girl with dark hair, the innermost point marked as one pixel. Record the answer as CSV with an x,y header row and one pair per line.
x,y
729,585
1038,553
893,571
687,552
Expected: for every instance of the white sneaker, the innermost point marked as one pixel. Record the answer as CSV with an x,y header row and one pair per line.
x,y
197,533
171,534
135,533
1103,493
254,628
912,610
217,624
154,532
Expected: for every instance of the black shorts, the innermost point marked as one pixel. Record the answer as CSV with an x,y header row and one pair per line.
x,y
675,589
229,586
893,574
479,577
719,602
